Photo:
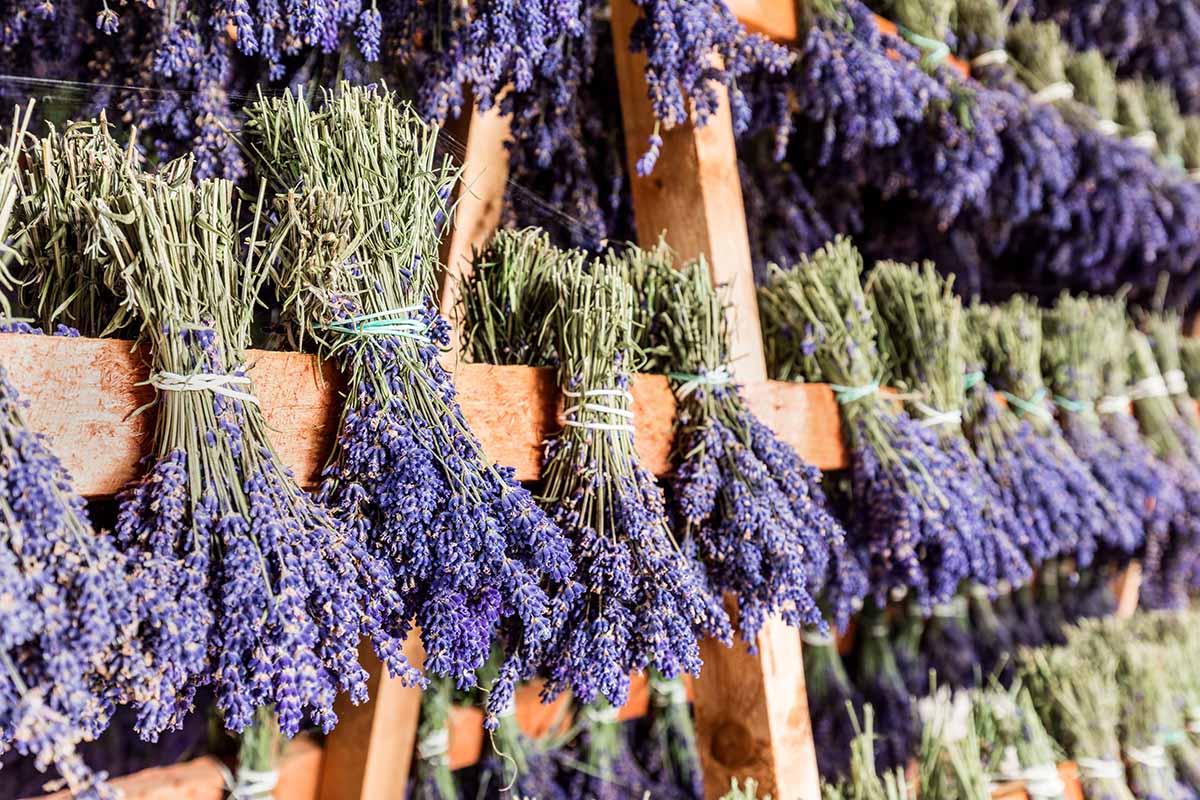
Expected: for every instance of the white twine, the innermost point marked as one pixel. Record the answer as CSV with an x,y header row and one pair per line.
x,y
1151,386
434,745
935,418
250,784
1176,381
1100,768
669,693
599,408
1113,404
1060,90
1154,756
1108,127
1042,781
602,716
816,638
204,382
992,58
715,377
1146,140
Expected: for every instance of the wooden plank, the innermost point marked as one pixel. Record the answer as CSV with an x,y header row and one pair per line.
x,y
368,754
751,710
478,141
1126,587
203,778
81,393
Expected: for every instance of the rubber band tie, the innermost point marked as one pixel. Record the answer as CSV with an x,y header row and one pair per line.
x,y
1108,127
391,322
1100,768
167,381
1059,90
935,51
992,58
599,408
605,715
1176,381
816,638
1154,756
1113,404
249,784
1042,781
434,745
1034,406
693,381
972,379
1150,387
1074,406
849,394
669,693
935,418
1146,140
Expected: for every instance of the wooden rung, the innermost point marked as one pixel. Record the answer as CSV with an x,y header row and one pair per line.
x,y
81,393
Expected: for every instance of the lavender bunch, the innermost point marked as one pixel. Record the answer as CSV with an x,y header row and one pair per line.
x,y
1163,330
469,552
242,580
922,345
753,509
950,764
432,779
1067,512
991,640
878,679
906,646
905,492
831,701
671,740
1015,745
1189,362
948,646
639,599
1146,711
1073,333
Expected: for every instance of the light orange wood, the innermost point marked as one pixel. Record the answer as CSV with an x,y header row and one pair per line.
x,y
81,393
368,754
204,779
1126,587
478,141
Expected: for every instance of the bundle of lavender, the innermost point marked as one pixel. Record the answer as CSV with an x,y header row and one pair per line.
x,y
432,778
1169,560
1189,359
639,600
751,507
864,781
1015,745
832,699
908,497
470,554
1163,330
243,581
949,764
1146,717
66,274
922,346
1067,511
505,301
991,640
878,679
1074,335
673,757
906,646
1078,699
948,646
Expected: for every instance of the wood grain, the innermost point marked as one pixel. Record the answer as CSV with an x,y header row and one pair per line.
x,y
82,393
368,755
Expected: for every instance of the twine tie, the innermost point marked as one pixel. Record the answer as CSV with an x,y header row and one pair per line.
x,y
222,384
849,394
1100,768
600,408
250,784
1034,406
1059,90
390,322
690,382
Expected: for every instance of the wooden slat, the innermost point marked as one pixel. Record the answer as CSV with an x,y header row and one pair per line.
x,y
367,756
1126,588
81,393
203,778
751,710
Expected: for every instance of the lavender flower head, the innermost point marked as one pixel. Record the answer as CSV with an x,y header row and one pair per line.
x,y
752,507
639,599
471,555
242,580
906,491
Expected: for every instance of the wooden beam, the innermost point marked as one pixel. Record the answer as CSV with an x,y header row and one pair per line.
x,y
751,710
1127,587
368,754
81,393
478,141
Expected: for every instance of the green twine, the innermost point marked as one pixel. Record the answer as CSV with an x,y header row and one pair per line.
x,y
849,394
972,379
1074,406
935,51
1032,406
391,322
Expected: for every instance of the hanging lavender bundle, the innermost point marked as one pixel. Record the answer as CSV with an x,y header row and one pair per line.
x,y
831,701
906,646
948,646
672,756
639,600
217,528
1189,362
907,495
1145,718
469,550
1066,510
991,639
752,507
604,767
1073,331
432,779
1162,329
921,344
878,679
